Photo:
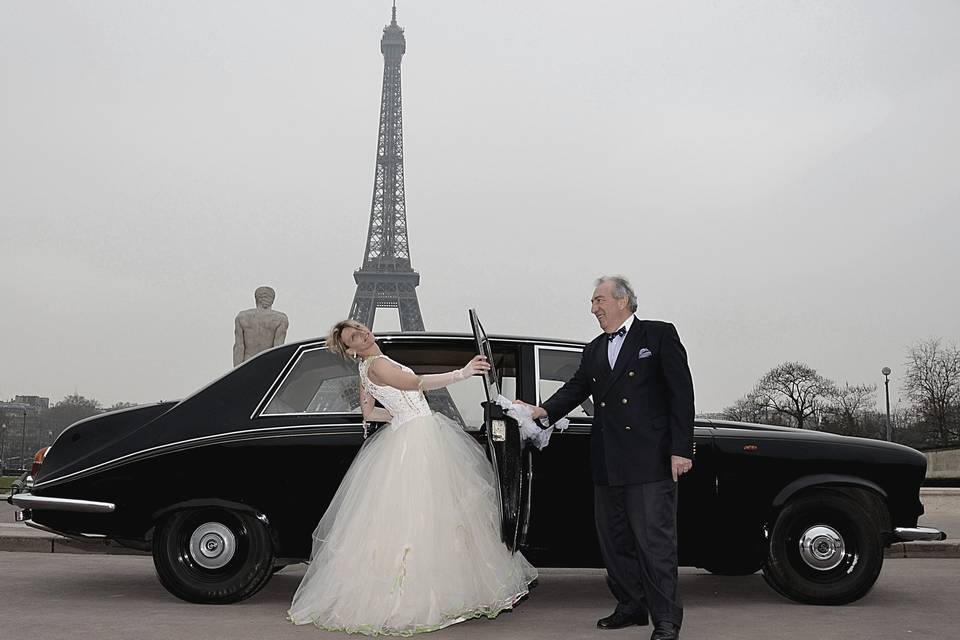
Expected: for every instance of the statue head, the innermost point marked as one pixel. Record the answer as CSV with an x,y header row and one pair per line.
x,y
264,297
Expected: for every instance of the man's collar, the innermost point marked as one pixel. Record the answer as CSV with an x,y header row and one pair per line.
x,y
627,323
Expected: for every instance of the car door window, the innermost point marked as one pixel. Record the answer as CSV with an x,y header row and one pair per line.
x,y
319,382
556,365
461,401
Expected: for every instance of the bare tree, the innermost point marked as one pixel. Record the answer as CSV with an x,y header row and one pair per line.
x,y
933,384
848,407
749,408
795,390
120,405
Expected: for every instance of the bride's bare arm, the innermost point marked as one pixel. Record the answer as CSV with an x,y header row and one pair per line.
x,y
384,372
371,412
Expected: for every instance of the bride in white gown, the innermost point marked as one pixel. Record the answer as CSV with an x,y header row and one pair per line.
x,y
411,540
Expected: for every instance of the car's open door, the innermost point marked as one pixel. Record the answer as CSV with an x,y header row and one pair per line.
x,y
503,444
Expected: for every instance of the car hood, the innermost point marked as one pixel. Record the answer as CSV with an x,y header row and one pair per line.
x,y
729,435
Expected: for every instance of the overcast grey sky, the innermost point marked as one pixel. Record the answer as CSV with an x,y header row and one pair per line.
x,y
779,179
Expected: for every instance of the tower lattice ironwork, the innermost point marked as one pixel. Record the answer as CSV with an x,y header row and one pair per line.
x,y
386,279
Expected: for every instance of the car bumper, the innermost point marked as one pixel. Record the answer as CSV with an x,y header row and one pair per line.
x,y
30,501
912,534
26,517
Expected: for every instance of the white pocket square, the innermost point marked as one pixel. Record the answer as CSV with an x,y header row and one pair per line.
x,y
644,353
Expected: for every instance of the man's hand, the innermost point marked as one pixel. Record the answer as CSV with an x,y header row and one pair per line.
x,y
679,466
538,412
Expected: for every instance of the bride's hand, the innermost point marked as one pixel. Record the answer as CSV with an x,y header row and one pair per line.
x,y
475,367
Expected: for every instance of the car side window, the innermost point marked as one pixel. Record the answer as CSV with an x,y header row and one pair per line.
x,y
556,365
461,401
466,397
319,382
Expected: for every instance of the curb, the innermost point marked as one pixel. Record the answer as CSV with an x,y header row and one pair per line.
x,y
951,492
924,549
29,541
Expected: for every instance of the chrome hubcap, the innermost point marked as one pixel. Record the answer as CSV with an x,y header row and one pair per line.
x,y
212,545
822,548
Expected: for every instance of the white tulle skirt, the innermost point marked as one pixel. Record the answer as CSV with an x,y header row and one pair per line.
x,y
411,540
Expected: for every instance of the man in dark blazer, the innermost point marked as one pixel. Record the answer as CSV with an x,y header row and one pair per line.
x,y
641,443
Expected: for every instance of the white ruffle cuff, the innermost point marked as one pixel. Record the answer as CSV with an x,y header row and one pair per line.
x,y
530,432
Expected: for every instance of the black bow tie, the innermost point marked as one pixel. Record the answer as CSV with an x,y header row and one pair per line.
x,y
621,332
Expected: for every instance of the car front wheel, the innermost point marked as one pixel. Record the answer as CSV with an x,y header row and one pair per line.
x,y
825,548
213,555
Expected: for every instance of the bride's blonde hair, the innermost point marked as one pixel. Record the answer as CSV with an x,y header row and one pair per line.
x,y
335,342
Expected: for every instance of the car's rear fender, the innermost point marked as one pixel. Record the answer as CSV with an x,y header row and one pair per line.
x,y
218,503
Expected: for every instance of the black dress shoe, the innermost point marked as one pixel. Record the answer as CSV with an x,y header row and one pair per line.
x,y
617,620
665,631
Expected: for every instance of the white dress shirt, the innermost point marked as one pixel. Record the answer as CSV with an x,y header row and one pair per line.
x,y
613,346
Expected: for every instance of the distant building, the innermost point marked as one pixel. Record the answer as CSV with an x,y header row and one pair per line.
x,y
37,402
12,412
16,409
19,429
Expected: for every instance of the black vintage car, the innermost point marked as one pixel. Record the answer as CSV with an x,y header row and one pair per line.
x,y
226,486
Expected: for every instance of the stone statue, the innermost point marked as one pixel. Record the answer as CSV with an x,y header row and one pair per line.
x,y
260,328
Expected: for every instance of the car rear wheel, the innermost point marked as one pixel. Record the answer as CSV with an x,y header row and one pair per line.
x,y
825,548
213,555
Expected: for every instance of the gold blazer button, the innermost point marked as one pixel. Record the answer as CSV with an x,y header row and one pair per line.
x,y
631,374
624,401
626,428
603,404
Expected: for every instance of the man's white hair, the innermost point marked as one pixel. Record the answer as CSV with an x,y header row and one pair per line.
x,y
621,289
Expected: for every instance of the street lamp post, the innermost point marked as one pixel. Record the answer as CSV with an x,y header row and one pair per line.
x,y
3,442
886,383
23,438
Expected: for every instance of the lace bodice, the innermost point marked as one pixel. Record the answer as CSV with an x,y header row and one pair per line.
x,y
402,405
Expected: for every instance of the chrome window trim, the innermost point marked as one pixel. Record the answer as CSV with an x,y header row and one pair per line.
x,y
536,363
357,427
30,501
493,338
306,415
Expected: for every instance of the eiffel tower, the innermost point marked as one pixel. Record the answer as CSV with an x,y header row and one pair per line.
x,y
387,280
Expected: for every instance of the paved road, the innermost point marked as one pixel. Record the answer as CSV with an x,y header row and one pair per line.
x,y
107,597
